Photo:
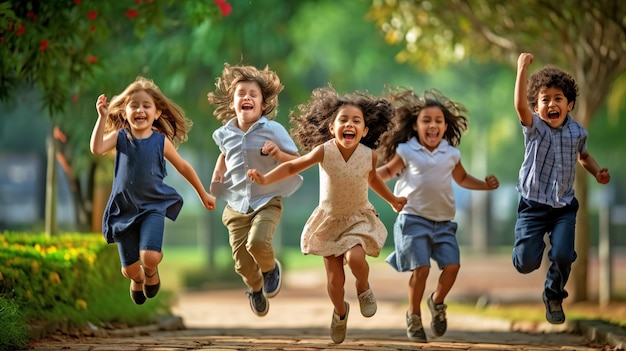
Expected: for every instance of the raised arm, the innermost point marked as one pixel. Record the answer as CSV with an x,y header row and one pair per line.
x,y
186,170
377,184
519,99
463,179
289,168
100,144
270,148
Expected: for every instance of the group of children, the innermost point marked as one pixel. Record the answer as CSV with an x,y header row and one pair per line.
x,y
359,141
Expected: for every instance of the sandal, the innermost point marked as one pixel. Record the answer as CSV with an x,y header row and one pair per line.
x,y
137,296
152,290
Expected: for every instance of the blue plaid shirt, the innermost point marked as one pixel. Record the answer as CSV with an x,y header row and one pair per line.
x,y
243,152
548,170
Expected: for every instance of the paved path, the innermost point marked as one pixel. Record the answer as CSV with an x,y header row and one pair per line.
x,y
299,319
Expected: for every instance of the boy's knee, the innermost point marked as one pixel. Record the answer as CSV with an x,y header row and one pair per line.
x,y
525,267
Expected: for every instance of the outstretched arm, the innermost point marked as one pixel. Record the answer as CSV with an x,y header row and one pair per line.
x,y
219,171
391,168
519,99
289,168
186,170
378,185
468,182
589,163
100,143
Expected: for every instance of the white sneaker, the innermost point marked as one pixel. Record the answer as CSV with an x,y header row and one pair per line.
x,y
338,326
367,303
414,329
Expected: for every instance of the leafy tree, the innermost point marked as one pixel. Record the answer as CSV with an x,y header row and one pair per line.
x,y
55,48
586,37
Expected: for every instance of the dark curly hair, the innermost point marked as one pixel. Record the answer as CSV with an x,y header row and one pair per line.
x,y
551,77
312,120
408,106
226,84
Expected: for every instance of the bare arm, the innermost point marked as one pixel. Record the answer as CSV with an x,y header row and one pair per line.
x,y
186,170
378,185
463,179
100,143
391,168
288,168
589,163
519,99
219,171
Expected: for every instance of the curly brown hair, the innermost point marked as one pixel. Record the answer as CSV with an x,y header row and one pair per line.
x,y
172,123
551,77
408,106
312,120
226,84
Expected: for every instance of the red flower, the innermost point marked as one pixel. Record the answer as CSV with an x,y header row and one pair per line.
x,y
92,15
93,28
93,59
137,1
131,13
77,2
44,45
31,15
20,30
224,7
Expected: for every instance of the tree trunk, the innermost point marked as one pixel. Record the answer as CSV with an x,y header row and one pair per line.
x,y
51,188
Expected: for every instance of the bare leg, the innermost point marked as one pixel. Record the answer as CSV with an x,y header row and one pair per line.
x,y
335,280
446,281
359,267
417,285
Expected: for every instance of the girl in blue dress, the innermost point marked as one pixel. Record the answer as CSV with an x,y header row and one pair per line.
x,y
144,127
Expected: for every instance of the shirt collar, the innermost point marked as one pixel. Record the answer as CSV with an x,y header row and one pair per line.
x,y
414,144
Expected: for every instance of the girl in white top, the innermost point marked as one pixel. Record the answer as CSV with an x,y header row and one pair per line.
x,y
421,151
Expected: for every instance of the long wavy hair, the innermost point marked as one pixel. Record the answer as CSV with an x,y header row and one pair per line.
x,y
172,123
311,120
408,106
225,86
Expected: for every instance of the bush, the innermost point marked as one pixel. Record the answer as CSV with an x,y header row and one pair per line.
x,y
14,333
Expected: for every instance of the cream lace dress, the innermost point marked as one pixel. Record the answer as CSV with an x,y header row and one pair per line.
x,y
344,217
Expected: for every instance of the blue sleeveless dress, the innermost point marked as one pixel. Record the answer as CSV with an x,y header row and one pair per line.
x,y
138,187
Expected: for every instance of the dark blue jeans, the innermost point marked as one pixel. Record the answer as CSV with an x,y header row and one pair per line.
x,y
534,220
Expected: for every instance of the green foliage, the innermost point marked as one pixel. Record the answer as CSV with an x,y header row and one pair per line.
x,y
14,331
70,278
54,45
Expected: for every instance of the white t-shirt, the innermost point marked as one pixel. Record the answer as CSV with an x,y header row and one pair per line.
x,y
426,180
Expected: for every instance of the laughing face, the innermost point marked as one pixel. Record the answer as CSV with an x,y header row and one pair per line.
x,y
248,104
141,112
552,106
430,127
348,127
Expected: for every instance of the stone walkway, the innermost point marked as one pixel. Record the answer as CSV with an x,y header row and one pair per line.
x,y
299,319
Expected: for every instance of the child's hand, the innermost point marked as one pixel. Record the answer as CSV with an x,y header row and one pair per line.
x,y
603,176
270,148
256,176
524,60
208,201
492,182
399,203
102,106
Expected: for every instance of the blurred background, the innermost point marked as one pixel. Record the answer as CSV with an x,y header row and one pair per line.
x,y
58,56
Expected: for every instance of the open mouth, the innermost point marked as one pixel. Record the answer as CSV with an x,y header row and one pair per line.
x,y
349,136
247,107
553,115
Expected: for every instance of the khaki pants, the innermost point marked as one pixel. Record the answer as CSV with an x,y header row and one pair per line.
x,y
250,236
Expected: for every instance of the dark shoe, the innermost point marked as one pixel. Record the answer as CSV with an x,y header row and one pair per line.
x,y
272,281
439,323
258,302
152,290
414,329
554,310
137,296
338,326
